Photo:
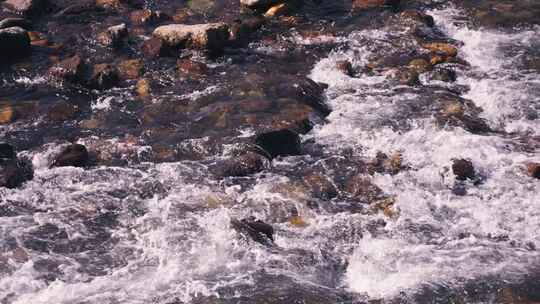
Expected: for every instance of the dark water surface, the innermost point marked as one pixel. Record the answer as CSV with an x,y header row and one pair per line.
x,y
369,210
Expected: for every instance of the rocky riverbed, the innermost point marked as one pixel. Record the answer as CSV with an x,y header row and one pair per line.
x,y
261,151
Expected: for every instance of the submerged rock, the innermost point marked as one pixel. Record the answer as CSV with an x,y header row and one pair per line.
x,y
14,43
70,69
75,155
280,143
463,169
155,47
13,171
242,165
211,36
257,230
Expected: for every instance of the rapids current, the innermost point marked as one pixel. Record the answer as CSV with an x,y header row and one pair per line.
x,y
160,233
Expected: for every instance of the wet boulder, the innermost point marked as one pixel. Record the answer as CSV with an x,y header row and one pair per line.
x,y
15,22
74,155
533,170
191,68
210,36
114,36
255,229
463,169
244,164
14,43
320,185
441,48
13,171
280,143
25,7
62,111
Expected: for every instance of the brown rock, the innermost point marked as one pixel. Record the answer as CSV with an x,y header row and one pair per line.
x,y
533,169
277,10
6,114
420,65
155,47
70,69
212,36
191,68
463,169
143,87
130,69
442,49
146,16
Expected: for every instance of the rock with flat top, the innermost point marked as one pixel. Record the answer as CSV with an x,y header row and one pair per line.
x,y
211,36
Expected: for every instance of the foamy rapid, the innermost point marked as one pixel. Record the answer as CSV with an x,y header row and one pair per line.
x,y
441,238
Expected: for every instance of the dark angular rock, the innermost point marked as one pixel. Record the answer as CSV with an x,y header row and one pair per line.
x,y
103,77
14,43
443,74
257,230
463,169
7,151
13,171
242,165
74,155
279,143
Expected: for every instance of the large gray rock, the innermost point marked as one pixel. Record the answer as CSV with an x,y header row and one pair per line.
x,y
25,7
14,42
212,36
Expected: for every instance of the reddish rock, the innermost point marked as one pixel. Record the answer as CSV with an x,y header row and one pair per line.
x,y
191,68
155,47
345,67
25,7
130,69
361,187
533,169
70,69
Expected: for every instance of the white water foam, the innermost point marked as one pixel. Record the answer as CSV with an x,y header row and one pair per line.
x,y
457,243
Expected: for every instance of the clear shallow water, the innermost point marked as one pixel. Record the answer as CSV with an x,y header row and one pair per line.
x,y
161,233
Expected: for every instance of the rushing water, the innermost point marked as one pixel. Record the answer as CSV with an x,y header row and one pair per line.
x,y
160,232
